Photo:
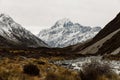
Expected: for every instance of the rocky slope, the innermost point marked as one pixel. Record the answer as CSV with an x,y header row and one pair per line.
x,y
13,34
65,33
107,41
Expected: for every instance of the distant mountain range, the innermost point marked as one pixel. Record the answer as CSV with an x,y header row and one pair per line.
x,y
65,33
78,39
13,34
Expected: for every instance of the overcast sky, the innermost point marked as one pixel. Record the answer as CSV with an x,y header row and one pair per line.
x,y
35,15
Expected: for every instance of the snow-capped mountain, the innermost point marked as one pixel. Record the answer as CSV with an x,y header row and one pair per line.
x,y
13,34
65,33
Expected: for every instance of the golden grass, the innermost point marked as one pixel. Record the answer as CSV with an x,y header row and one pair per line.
x,y
12,69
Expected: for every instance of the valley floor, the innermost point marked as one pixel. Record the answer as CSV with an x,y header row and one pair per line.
x,y
76,64
51,66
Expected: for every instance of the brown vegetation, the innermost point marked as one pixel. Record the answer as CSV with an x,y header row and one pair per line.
x,y
32,69
98,71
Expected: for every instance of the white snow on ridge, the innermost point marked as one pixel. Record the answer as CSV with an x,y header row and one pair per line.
x,y
14,32
65,33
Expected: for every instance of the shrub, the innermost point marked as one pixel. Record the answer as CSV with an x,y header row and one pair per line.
x,y
1,78
31,70
95,70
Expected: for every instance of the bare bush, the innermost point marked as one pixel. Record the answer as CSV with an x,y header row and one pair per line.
x,y
95,70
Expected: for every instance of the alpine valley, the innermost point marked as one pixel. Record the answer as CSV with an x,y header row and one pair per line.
x,y
66,51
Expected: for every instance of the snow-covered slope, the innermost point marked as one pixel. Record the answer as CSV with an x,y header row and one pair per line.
x,y
13,34
65,33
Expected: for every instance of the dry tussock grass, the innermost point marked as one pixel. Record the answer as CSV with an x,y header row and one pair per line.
x,y
12,69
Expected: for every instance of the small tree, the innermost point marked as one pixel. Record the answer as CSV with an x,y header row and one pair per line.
x,y
31,70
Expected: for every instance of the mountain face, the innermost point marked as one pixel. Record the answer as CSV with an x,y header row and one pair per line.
x,y
107,41
13,34
65,33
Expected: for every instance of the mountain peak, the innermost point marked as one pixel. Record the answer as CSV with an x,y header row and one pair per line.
x,y
4,15
5,18
65,33
13,34
65,22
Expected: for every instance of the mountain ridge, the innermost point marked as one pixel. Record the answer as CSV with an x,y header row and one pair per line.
x,y
106,42
14,34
